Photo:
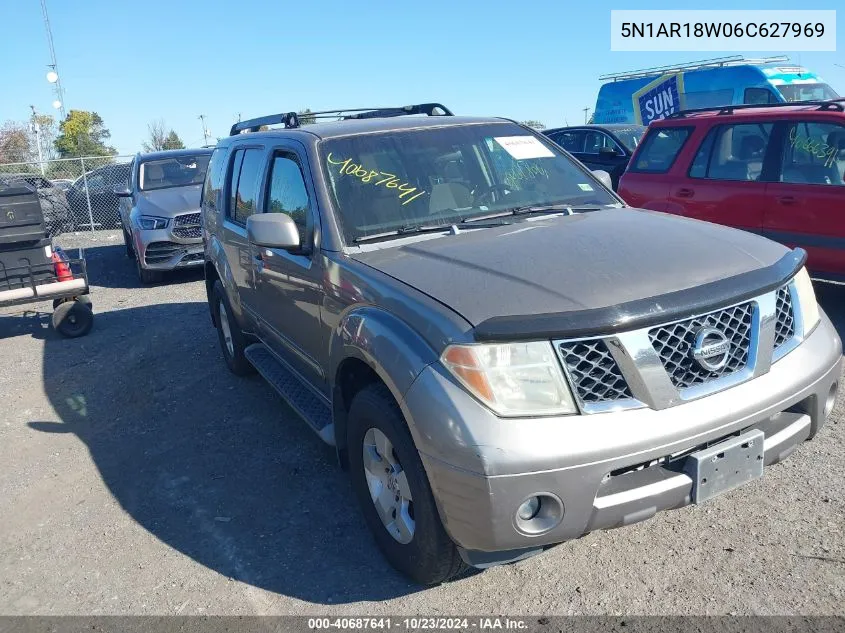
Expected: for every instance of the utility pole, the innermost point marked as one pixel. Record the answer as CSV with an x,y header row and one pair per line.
x,y
586,110
204,130
37,130
57,84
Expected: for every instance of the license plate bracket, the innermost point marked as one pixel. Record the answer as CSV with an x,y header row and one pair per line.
x,y
726,465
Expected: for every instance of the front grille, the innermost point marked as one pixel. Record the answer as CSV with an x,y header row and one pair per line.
x,y
187,226
674,343
785,319
192,257
594,373
160,252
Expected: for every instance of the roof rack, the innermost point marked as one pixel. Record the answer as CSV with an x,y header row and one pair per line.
x,y
292,119
831,104
717,62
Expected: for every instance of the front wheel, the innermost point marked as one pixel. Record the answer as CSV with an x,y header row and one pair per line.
x,y
147,276
392,488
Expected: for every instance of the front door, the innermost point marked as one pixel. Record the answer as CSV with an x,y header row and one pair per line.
x,y
289,284
806,204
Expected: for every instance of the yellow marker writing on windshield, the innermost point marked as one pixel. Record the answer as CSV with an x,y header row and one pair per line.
x,y
371,176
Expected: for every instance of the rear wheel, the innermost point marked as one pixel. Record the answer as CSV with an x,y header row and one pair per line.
x,y
392,487
232,340
73,319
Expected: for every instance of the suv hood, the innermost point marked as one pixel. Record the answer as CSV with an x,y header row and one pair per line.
x,y
166,203
573,263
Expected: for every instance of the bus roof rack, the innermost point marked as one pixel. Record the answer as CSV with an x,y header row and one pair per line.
x,y
292,119
831,104
717,62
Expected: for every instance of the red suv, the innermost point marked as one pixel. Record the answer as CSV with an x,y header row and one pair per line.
x,y
777,170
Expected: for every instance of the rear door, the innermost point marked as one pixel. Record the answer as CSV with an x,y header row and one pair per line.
x,y
806,202
726,182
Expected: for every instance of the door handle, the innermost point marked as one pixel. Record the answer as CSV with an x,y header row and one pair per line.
x,y
787,200
685,193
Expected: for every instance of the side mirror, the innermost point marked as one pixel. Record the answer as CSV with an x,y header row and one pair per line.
x,y
603,177
122,191
608,151
272,230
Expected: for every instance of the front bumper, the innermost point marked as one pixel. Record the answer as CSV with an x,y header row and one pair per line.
x,y
481,468
161,250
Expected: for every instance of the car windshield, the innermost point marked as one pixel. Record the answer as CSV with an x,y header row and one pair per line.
x,y
807,92
401,180
630,136
178,171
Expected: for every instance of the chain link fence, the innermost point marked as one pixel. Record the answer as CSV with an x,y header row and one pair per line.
x,y
76,194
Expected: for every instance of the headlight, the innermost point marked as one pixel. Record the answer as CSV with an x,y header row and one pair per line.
x,y
807,300
150,222
513,379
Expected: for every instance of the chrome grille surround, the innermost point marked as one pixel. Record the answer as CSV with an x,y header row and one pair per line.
x,y
187,226
648,368
674,343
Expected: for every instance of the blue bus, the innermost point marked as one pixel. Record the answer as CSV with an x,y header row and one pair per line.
x,y
644,96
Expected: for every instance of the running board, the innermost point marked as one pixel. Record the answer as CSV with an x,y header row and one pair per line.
x,y
298,396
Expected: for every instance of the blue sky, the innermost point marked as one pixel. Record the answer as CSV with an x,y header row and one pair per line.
x,y
134,62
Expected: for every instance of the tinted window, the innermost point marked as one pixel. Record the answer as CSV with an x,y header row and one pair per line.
x,y
287,191
660,149
759,95
814,153
247,191
733,152
214,179
237,161
570,141
595,141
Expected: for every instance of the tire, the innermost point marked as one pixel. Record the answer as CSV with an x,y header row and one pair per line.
x,y
429,557
233,348
127,241
84,299
73,319
147,276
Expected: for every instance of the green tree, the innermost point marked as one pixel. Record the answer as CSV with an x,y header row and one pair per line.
x,y
305,117
173,141
83,133
532,123
15,143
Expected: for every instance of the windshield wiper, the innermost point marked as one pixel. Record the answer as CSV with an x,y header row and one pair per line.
x,y
425,228
552,208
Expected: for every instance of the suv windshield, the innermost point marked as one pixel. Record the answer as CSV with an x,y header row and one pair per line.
x,y
807,92
418,178
178,171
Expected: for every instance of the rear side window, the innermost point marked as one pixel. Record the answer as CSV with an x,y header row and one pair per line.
x,y
759,95
570,141
814,153
733,152
214,179
660,149
246,170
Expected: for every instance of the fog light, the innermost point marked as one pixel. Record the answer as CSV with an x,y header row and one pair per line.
x,y
529,509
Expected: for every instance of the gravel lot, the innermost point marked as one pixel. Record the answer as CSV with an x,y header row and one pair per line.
x,y
137,476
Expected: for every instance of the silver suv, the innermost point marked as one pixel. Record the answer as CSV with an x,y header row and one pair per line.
x,y
504,355
159,211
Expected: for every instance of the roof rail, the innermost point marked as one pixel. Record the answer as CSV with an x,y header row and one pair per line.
x,y
292,119
717,62
832,104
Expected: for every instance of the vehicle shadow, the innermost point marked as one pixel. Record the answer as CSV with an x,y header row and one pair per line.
x,y
215,466
109,267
